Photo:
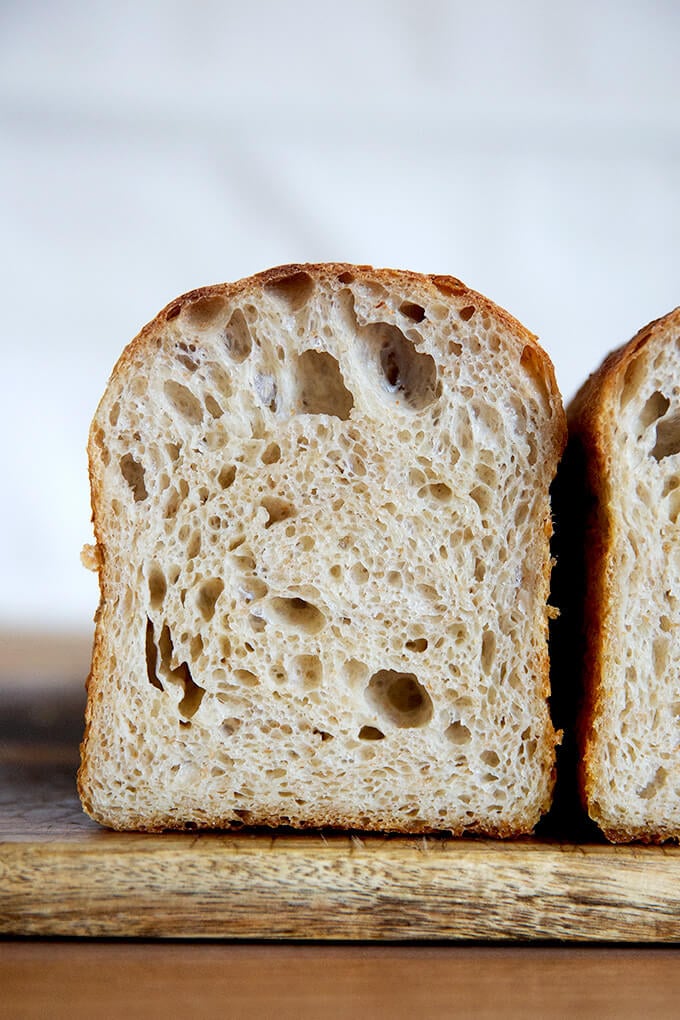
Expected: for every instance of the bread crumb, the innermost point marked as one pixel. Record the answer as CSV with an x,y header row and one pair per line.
x,y
90,558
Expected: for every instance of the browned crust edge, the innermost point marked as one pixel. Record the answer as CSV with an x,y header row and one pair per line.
x,y
589,417
447,286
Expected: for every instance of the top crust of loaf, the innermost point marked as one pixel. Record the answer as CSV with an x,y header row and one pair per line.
x,y
593,416
537,368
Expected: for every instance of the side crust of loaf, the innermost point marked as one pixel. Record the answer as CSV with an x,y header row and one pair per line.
x,y
112,750
623,806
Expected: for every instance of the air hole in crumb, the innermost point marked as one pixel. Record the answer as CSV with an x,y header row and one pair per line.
x,y
133,473
632,381
185,358
183,402
467,312
654,785
204,311
490,758
192,692
408,374
271,454
230,725
321,385
438,491
667,438
293,290
151,657
400,698
306,671
297,614
323,734
359,573
277,509
482,497
532,363
173,312
412,311
655,408
488,654
237,337
346,278
213,407
157,587
208,594
417,645
455,348
458,733
371,733
194,545
354,672
226,476
246,678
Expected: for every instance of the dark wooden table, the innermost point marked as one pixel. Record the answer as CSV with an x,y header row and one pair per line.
x,y
41,701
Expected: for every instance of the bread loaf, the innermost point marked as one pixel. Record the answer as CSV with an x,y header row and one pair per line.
x,y
321,506
625,428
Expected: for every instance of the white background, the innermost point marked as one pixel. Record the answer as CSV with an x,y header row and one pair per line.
x,y
532,149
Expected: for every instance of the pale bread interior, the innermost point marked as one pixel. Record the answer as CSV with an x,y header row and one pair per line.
x,y
323,521
634,746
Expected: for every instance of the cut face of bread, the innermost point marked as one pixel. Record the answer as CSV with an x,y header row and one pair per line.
x,y
626,421
320,499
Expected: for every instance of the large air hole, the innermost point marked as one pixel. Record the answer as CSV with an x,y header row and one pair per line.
x,y
213,407
294,290
412,311
208,594
321,386
277,510
407,374
655,784
488,654
151,656
667,438
226,476
192,693
296,614
655,408
533,364
157,587
399,698
183,402
133,473
458,734
237,337
205,311
371,733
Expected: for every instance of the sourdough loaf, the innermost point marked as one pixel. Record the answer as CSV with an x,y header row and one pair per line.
x,y
624,428
321,506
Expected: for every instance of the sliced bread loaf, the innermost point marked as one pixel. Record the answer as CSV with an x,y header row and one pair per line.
x,y
321,506
625,431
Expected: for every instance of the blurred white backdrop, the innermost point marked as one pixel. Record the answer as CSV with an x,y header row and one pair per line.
x,y
148,148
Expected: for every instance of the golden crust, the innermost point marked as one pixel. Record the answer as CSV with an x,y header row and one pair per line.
x,y
144,344
591,418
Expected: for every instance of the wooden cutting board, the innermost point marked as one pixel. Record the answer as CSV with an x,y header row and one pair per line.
x,y
62,875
